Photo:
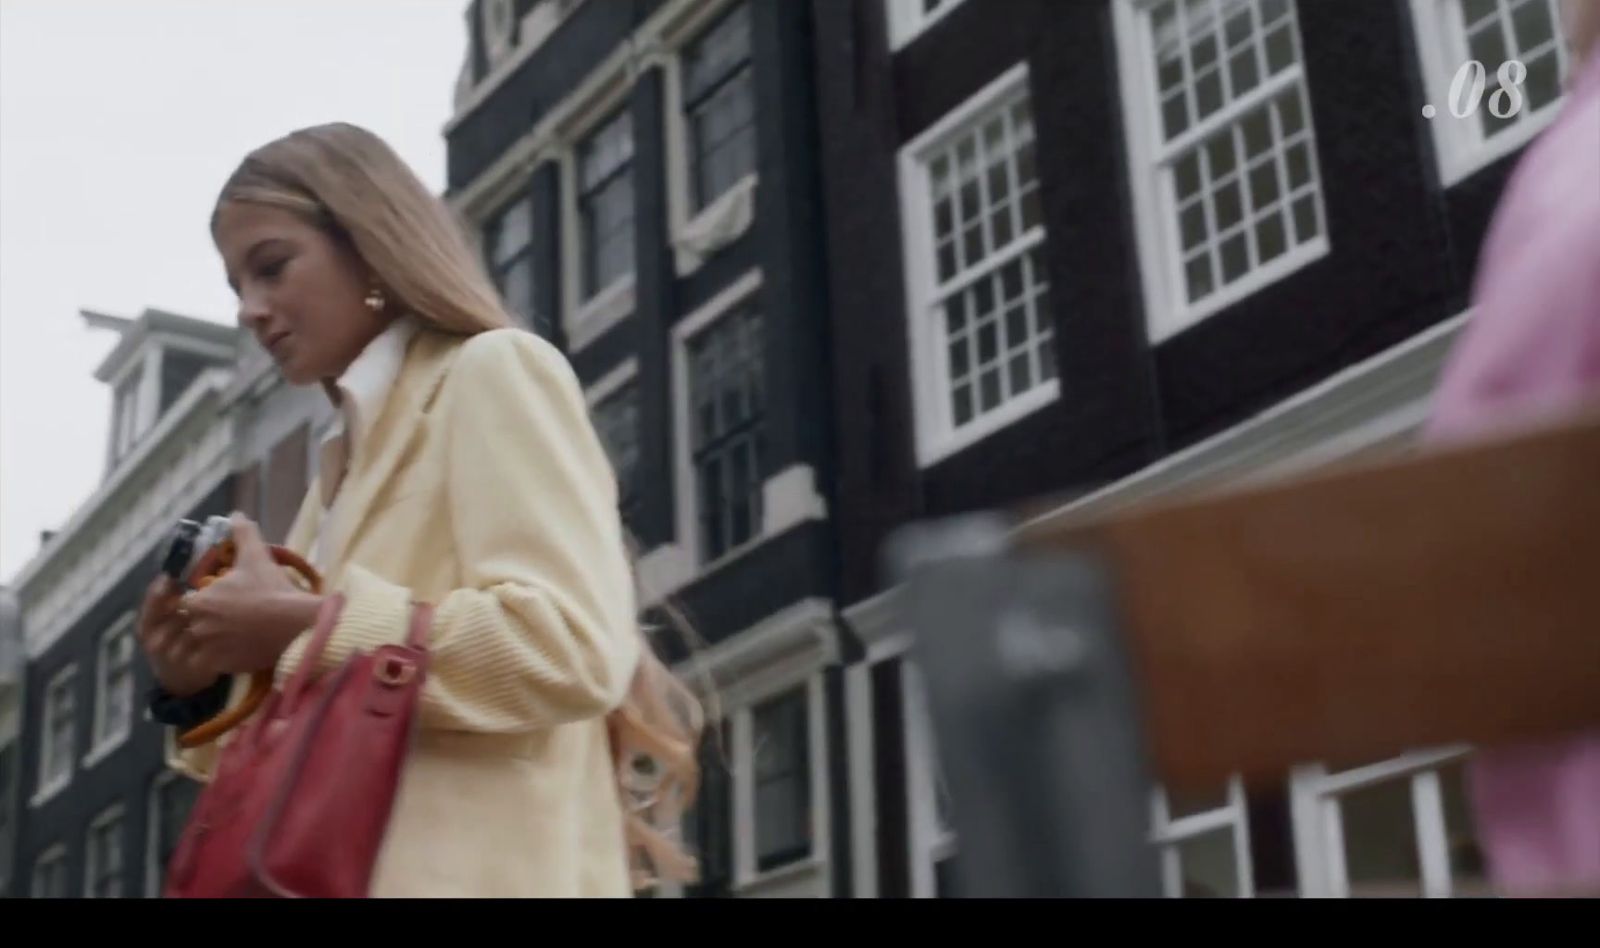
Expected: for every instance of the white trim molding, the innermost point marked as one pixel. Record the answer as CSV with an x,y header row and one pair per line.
x,y
783,654
529,35
54,857
112,816
186,457
789,497
909,19
612,382
56,765
929,840
1320,842
1443,50
1169,833
1000,361
107,736
1203,243
696,237
587,320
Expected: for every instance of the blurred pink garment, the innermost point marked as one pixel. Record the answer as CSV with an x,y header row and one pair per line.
x,y
1532,351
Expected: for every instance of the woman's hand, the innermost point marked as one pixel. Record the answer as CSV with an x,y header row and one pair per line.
x,y
163,636
244,621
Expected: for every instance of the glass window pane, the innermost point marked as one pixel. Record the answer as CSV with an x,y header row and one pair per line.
x,y
1210,866
1229,206
1305,219
1198,273
1380,841
1271,240
1235,257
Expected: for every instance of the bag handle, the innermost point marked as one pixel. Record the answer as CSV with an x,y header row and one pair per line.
x,y
327,618
421,626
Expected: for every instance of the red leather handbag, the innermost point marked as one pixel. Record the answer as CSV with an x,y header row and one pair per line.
x,y
300,800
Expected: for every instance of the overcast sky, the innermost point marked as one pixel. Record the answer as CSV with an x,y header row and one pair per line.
x,y
119,121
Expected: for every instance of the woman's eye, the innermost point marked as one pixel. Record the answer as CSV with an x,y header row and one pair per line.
x,y
273,270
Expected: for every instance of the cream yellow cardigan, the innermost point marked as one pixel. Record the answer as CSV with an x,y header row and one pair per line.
x,y
483,488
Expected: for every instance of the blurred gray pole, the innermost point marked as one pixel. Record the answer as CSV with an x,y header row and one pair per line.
x,y
1034,714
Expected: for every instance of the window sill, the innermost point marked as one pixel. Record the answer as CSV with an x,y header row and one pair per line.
x,y
1462,163
789,500
1183,318
940,449
722,222
105,748
593,319
810,865
50,791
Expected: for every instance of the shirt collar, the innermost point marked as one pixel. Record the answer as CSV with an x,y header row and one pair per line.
x,y
366,384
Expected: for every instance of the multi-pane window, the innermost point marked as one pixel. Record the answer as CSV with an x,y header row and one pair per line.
x,y
509,244
782,775
1235,149
60,720
727,402
50,875
981,290
103,879
616,420
114,685
1529,31
174,796
125,421
907,18
1464,42
719,107
605,204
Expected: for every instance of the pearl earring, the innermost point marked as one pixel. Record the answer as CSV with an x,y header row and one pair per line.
x,y
375,300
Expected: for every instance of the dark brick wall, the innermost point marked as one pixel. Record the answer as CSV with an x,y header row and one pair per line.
x,y
1402,252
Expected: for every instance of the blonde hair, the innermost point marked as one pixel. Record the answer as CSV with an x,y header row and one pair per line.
x,y
350,183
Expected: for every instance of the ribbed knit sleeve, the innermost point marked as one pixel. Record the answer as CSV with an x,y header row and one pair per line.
x,y
542,630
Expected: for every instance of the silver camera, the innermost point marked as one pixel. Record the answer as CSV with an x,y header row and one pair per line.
x,y
189,542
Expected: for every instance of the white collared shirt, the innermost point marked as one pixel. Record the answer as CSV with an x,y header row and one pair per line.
x,y
363,389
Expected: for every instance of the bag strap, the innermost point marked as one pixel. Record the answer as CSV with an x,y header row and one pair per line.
x,y
327,618
421,625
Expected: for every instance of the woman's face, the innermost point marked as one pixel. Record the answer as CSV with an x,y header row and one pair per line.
x,y
301,293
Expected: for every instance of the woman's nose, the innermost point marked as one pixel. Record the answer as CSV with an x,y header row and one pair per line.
x,y
253,315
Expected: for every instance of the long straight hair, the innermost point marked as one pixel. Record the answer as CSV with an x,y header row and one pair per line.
x,y
349,182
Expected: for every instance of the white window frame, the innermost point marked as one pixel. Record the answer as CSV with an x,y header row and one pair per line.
x,y
907,21
1167,309
49,781
152,838
1319,839
54,856
1168,835
585,322
930,843
785,652
697,237
936,437
686,483
747,874
1442,51
112,815
614,381
107,736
